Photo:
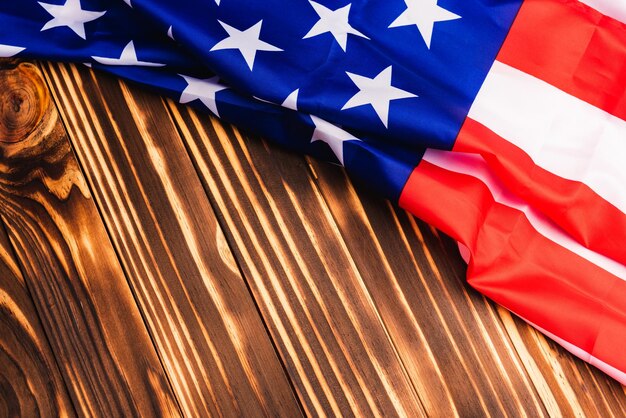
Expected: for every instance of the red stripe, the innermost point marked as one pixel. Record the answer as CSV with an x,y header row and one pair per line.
x,y
573,47
519,268
572,205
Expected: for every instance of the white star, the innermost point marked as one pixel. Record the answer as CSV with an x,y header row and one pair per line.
x,y
7,51
333,135
71,15
247,42
377,92
170,33
128,2
335,22
423,14
128,57
291,102
203,90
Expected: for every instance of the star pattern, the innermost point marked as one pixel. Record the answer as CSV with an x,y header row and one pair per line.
x,y
128,57
333,135
423,14
69,14
292,56
291,102
248,42
7,51
302,70
377,92
203,90
335,22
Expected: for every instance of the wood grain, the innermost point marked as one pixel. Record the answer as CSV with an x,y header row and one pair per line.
x,y
484,355
81,295
322,317
30,380
269,283
447,337
453,347
204,322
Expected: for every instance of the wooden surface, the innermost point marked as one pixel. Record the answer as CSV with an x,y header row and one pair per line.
x,y
155,262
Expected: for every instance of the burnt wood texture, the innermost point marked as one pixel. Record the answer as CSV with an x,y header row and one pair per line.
x,y
156,262
76,283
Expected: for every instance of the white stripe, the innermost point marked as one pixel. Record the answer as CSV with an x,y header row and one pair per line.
x,y
561,133
613,8
475,166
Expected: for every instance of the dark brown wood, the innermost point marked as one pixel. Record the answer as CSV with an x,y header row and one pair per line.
x,y
269,284
80,293
452,343
326,325
204,322
567,384
30,381
482,353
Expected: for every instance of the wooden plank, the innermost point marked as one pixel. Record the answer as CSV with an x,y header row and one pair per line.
x,y
576,387
326,326
87,310
447,338
478,349
208,332
579,388
30,380
463,387
459,352
453,345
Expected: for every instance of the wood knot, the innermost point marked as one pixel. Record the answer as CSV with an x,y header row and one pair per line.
x,y
23,102
34,148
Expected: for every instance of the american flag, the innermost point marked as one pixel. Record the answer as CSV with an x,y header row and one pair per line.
x,y
500,122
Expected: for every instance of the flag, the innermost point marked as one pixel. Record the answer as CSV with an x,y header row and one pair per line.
x,y
500,122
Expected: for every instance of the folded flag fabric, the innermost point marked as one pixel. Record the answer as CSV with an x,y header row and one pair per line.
x,y
500,122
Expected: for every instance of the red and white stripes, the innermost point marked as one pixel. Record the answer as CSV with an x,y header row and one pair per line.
x,y
522,260
550,119
535,186
613,8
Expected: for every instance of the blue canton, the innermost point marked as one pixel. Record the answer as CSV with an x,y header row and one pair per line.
x,y
369,84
